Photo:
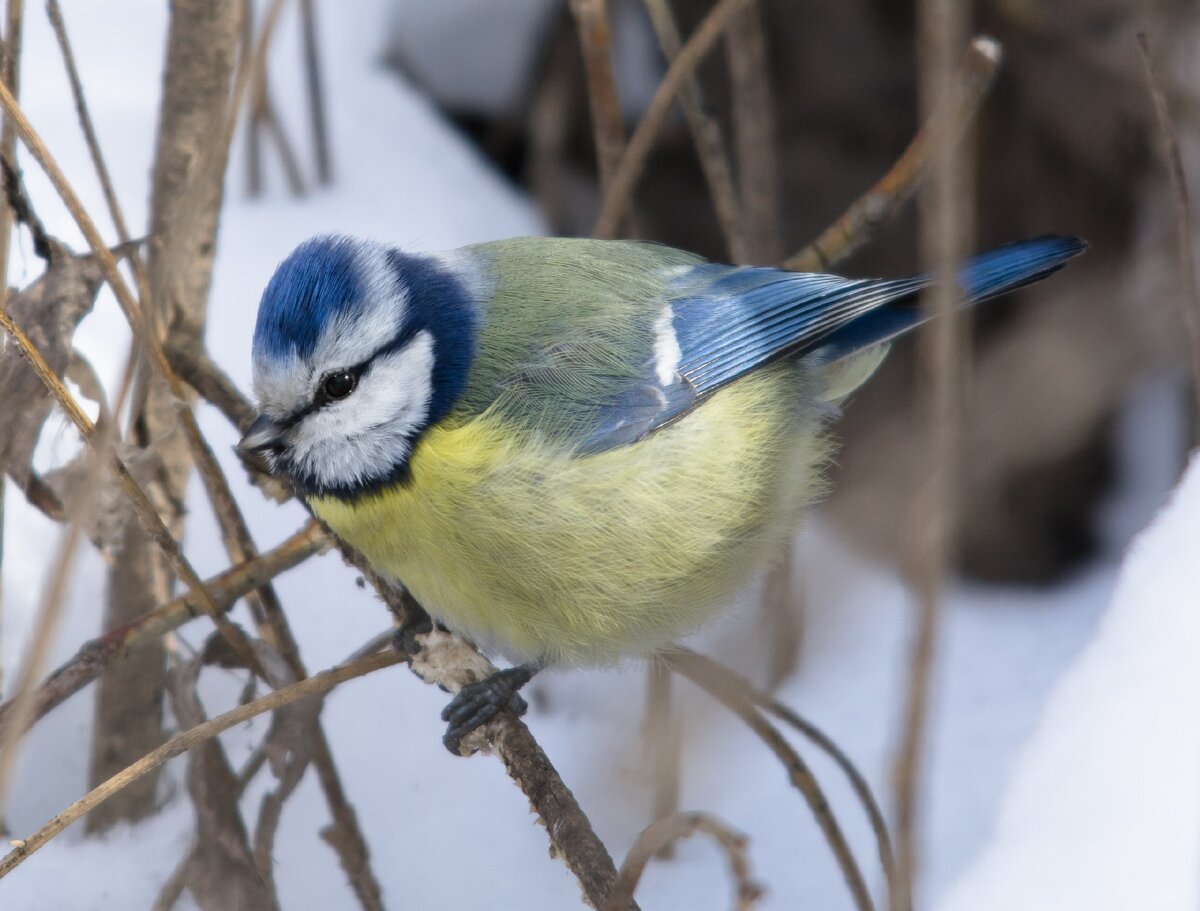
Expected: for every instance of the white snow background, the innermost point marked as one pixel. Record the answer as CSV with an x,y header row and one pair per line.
x,y
1065,754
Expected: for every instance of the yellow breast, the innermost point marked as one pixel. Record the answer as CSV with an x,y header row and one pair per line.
x,y
586,559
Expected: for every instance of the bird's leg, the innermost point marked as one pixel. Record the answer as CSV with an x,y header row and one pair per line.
x,y
478,703
404,639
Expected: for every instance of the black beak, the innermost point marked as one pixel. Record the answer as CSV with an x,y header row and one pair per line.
x,y
264,435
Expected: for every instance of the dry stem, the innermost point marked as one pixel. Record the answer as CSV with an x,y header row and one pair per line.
x,y
706,134
313,686
733,697
713,670
659,836
595,38
94,657
754,137
880,204
633,162
945,222
1190,299
316,92
143,508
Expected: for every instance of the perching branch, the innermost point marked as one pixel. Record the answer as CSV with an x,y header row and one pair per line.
x,y
449,662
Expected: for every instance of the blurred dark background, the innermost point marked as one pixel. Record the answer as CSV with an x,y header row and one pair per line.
x,y
1065,143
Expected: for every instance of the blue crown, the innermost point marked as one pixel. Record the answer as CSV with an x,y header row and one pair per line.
x,y
319,280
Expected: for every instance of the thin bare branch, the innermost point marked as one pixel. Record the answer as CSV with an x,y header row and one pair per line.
x,y
783,607
754,136
945,225
858,782
633,162
94,657
316,92
252,136
880,204
10,72
732,695
313,686
659,836
199,371
1190,299
266,115
36,652
663,744
706,134
143,508
54,11
595,39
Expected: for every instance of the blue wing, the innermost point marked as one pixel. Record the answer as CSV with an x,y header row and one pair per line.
x,y
728,321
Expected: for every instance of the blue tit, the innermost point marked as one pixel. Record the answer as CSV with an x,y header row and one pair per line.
x,y
569,450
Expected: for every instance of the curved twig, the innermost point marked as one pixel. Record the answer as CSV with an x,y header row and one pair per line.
x,y
733,698
670,829
823,742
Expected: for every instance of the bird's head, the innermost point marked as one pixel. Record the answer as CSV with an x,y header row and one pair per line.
x,y
358,349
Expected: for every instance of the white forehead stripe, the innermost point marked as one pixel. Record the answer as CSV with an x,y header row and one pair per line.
x,y
357,332
284,384
666,348
350,441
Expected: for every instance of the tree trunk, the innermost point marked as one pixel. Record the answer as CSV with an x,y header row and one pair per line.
x,y
189,172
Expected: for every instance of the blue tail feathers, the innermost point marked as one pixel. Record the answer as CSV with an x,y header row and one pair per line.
x,y
984,276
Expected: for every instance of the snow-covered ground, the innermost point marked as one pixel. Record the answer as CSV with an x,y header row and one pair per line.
x,y
1064,753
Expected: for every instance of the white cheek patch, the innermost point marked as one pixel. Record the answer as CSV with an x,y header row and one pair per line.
x,y
365,436
666,348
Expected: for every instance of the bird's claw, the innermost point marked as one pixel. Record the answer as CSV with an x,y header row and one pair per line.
x,y
478,703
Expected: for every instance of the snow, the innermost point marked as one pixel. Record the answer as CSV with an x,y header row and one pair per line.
x,y
1099,810
1102,808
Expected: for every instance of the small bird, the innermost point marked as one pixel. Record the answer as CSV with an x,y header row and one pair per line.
x,y
570,451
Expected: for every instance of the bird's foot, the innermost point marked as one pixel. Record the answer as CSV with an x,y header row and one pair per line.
x,y
404,639
478,703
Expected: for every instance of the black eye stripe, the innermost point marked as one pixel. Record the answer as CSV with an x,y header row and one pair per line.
x,y
406,335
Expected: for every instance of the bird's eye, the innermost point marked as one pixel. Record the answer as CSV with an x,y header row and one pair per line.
x,y
338,385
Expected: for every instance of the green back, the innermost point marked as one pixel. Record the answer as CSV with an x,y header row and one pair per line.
x,y
567,327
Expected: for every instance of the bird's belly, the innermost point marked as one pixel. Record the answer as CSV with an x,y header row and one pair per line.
x,y
585,559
